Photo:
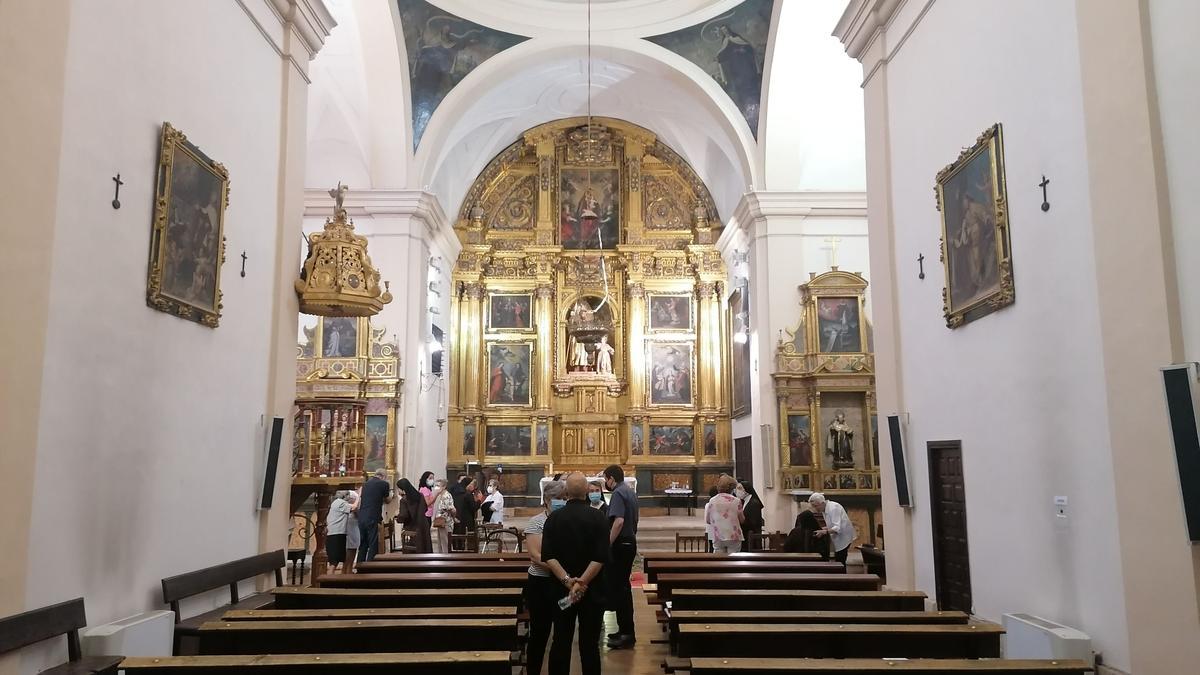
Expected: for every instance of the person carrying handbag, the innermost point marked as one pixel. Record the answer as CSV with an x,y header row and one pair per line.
x,y
443,517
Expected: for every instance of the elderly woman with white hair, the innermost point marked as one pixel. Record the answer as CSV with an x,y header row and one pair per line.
x,y
838,527
541,589
335,528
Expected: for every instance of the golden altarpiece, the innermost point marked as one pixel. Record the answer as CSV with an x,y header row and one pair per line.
x,y
825,387
586,321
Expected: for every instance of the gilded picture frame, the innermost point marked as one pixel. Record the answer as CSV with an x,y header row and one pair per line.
x,y
670,313
187,237
510,312
510,374
508,440
976,251
670,373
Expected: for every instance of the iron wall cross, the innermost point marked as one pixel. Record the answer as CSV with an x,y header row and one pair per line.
x,y
243,263
921,262
1043,184
116,202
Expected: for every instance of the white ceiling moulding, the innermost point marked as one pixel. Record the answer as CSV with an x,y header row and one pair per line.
x,y
872,31
309,20
414,204
557,18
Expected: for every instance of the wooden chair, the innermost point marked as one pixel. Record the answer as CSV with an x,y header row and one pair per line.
x,y
465,543
691,543
760,541
497,536
65,618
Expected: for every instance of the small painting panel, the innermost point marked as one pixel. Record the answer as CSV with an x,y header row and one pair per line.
x,y
543,439
670,312
513,482
663,481
797,481
710,440
589,210
799,441
469,439
510,311
829,481
635,440
739,329
866,481
339,337
508,373
839,325
975,234
377,433
846,481
509,441
708,481
187,235
672,441
670,373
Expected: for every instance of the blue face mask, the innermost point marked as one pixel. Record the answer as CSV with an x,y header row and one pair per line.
x,y
556,504
596,497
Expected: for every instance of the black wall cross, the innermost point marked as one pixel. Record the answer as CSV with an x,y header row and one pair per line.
x,y
116,202
243,263
1043,184
921,262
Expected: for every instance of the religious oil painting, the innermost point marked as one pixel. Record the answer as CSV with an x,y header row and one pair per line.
x,y
866,482
731,47
543,439
187,241
739,329
672,441
442,50
468,439
670,312
710,440
589,209
670,373
508,440
376,443
339,337
976,250
846,481
799,440
829,482
508,373
510,311
635,439
839,325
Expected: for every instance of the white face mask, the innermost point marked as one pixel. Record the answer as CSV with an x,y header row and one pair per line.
x,y
491,489
740,494
429,483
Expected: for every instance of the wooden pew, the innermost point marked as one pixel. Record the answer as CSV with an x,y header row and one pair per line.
x,y
426,557
443,663
46,623
182,586
426,580
760,600
371,613
676,618
724,666
340,598
840,641
711,566
455,566
657,556
667,583
357,636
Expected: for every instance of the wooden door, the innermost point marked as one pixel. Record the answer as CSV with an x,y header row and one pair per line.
x,y
743,458
948,498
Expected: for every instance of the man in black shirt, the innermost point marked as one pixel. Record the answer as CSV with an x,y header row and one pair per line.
x,y
375,494
622,535
575,548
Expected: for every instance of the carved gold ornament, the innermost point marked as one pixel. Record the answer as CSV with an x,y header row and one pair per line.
x,y
337,278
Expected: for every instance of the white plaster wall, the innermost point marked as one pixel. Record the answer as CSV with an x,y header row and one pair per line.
x,y
339,142
150,448
1177,75
1021,388
813,127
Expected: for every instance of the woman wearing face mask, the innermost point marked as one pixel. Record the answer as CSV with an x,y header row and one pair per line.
x,y
541,589
414,501
443,517
752,507
596,498
725,517
496,500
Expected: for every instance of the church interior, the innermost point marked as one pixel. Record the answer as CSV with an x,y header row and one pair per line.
x,y
770,243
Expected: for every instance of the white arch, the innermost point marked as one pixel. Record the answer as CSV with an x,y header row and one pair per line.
x,y
545,79
551,18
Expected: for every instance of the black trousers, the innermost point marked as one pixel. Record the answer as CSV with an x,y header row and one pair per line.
x,y
590,616
840,556
541,598
620,593
368,543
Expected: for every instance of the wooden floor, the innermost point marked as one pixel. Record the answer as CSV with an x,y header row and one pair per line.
x,y
645,658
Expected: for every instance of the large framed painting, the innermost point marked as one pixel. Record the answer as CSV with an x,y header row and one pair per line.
x,y
671,373
739,330
976,250
510,311
670,312
509,441
339,337
589,211
376,442
187,240
672,441
799,440
840,325
509,373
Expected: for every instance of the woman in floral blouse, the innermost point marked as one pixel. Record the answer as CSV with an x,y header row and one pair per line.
x,y
724,517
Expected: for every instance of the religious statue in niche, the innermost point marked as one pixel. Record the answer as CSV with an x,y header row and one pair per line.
x,y
841,438
589,323
604,352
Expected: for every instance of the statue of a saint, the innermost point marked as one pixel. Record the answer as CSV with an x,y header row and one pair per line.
x,y
579,355
841,438
339,196
604,352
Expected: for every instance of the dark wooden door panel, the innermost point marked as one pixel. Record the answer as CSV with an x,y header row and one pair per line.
x,y
947,488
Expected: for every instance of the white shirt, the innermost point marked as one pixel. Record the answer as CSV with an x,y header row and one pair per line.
x,y
841,530
497,501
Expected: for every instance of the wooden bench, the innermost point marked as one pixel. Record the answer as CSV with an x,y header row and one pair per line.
x,y
667,583
408,566
768,600
676,618
874,560
443,663
720,666
426,580
340,598
840,641
46,623
357,636
371,613
182,586
426,557
711,566
656,556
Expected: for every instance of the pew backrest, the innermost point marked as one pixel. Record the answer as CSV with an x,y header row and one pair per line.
x,y
753,666
36,625
228,574
442,663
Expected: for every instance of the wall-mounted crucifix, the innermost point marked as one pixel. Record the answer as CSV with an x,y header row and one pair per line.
x,y
116,202
243,263
1043,184
921,262
832,249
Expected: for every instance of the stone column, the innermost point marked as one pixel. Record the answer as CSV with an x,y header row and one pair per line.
x,y
543,313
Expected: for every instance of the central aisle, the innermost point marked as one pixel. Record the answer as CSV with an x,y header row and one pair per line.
x,y
645,658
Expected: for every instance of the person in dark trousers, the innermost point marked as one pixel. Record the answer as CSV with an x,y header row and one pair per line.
x,y
542,590
375,494
466,505
418,523
622,537
752,507
575,550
